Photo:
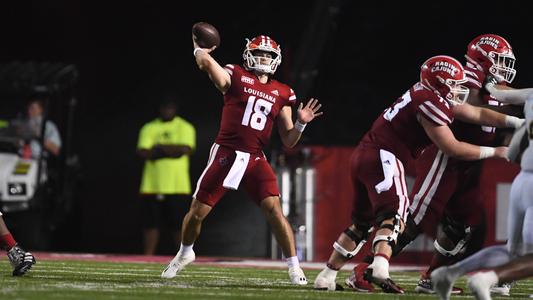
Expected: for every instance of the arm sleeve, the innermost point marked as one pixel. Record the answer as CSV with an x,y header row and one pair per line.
x,y
517,96
145,140
233,71
292,98
473,81
52,134
435,113
189,138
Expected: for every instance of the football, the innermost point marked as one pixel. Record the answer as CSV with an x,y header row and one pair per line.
x,y
205,35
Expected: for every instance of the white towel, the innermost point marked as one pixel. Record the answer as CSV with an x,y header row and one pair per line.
x,y
234,177
388,163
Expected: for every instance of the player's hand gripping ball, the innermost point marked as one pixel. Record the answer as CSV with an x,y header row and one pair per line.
x,y
205,35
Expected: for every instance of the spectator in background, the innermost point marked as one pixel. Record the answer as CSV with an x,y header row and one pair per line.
x,y
165,144
33,127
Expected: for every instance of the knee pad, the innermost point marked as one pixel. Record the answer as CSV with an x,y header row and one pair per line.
x,y
457,233
390,238
360,237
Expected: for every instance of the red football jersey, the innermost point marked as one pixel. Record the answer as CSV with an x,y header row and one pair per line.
x,y
472,133
397,128
250,108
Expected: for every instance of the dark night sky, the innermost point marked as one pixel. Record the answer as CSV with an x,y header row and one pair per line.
x,y
131,53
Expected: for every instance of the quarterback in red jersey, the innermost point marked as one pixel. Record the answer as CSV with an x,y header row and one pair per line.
x,y
253,101
416,120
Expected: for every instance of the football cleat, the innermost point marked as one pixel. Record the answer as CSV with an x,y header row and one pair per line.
x,y
297,276
426,287
326,283
387,285
177,264
323,282
356,280
20,260
503,289
480,286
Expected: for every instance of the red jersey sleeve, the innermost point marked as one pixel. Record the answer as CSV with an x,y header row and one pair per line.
x,y
436,111
235,72
474,78
292,97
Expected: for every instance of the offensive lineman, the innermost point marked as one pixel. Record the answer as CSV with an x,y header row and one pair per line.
x,y
445,189
417,119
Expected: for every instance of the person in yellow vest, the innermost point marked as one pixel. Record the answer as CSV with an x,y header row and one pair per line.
x,y
165,144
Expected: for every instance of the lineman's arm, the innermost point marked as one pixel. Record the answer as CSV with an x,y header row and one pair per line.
x,y
508,95
484,116
220,78
443,138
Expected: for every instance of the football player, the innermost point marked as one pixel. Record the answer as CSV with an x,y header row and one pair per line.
x,y
519,221
20,260
449,192
419,118
253,101
446,188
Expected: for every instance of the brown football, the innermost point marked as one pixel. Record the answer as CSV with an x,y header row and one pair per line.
x,y
205,35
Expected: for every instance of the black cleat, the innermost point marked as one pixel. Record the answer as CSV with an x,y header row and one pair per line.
x,y
387,285
20,260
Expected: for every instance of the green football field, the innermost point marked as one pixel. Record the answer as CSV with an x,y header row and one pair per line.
x,y
67,279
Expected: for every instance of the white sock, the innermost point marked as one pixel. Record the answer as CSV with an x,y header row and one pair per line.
x,y
492,278
185,249
380,267
293,262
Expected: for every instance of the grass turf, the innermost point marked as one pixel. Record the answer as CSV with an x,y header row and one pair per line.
x,y
108,280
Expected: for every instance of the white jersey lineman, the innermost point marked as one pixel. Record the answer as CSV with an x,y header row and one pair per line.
x,y
520,222
527,158
520,215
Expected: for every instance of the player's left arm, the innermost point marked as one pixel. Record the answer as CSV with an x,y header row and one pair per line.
x,y
509,95
290,133
484,116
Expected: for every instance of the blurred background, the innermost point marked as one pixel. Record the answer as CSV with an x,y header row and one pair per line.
x,y
120,58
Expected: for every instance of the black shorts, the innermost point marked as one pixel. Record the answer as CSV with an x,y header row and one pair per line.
x,y
167,211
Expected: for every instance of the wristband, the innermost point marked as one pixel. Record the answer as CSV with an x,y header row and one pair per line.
x,y
486,152
300,126
196,50
513,122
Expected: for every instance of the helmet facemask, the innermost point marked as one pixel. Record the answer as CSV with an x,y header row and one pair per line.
x,y
458,93
256,57
502,66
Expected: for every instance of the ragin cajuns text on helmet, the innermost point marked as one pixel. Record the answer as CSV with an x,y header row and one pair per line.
x,y
492,54
445,75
